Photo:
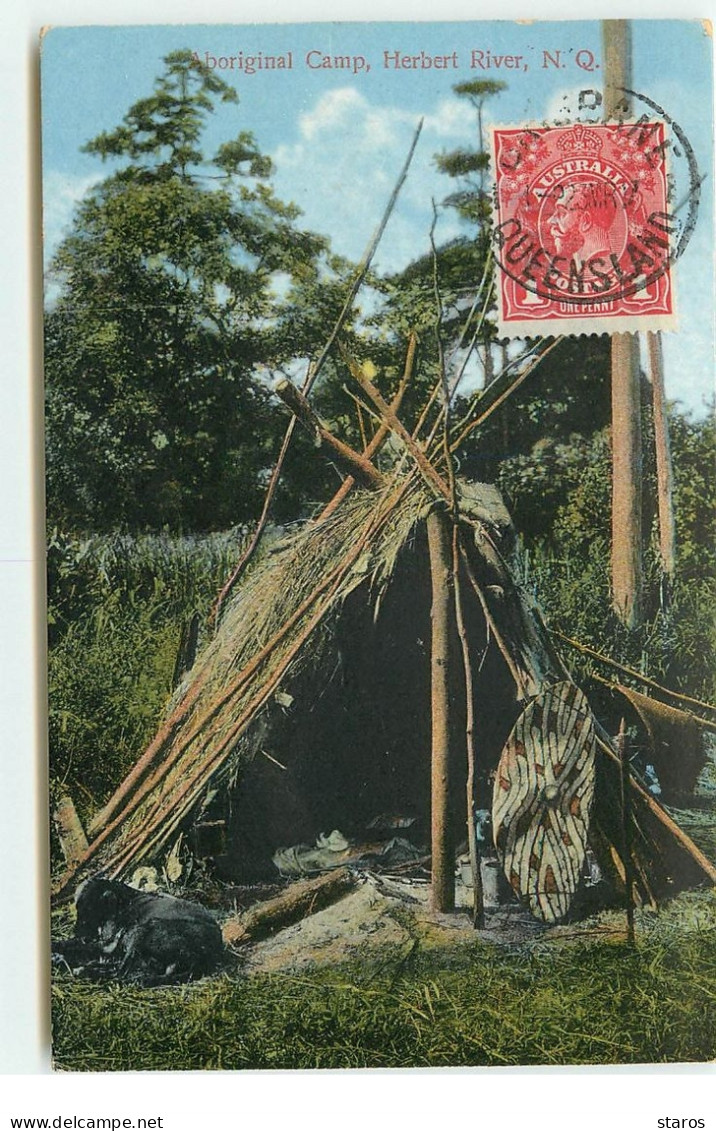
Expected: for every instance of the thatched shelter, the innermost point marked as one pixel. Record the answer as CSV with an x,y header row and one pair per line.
x,y
314,702
320,614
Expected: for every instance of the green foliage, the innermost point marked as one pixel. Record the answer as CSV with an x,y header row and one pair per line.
x,y
169,317
169,123
109,680
468,166
567,544
601,1003
694,445
541,435
116,609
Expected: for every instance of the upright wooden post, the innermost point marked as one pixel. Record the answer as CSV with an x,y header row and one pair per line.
x,y
664,467
616,63
623,747
478,901
443,853
626,401
626,479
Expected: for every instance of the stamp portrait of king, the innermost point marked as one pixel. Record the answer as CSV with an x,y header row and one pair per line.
x,y
583,234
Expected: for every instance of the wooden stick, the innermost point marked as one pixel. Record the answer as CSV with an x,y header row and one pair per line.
x,y
478,904
634,673
519,630
298,901
311,376
73,841
443,853
524,686
430,475
181,803
253,545
440,381
137,785
361,425
363,409
652,708
497,394
623,751
381,435
195,781
478,325
355,464
685,842
478,911
164,737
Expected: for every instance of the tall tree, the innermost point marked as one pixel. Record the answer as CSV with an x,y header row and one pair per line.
x,y
177,283
471,198
468,166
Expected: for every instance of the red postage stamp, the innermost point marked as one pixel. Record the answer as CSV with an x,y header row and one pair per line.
x,y
584,238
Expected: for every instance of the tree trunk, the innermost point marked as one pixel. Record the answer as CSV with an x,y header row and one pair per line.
x,y
616,42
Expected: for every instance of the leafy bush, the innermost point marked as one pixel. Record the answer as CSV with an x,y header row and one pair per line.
x,y
117,606
566,560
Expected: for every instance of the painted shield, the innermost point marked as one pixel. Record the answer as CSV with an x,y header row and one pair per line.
x,y
543,793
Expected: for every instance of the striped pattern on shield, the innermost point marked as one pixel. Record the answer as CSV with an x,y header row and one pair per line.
x,y
543,793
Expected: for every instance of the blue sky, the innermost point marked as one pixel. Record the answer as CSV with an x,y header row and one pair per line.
x,y
338,136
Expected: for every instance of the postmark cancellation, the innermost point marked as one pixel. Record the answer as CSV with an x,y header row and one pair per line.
x,y
585,236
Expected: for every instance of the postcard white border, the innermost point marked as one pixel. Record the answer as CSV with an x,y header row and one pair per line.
x,y
634,1097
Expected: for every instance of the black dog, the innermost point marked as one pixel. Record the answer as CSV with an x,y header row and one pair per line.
x,y
144,938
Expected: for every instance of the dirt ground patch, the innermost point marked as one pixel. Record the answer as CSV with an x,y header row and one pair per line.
x,y
392,915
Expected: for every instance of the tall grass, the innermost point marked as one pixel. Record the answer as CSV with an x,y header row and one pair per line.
x,y
116,609
675,644
602,1003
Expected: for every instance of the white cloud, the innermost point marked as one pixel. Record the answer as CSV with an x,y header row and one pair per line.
x,y
453,120
332,111
346,159
61,193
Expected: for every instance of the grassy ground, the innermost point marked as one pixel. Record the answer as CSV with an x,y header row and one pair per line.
x,y
591,1002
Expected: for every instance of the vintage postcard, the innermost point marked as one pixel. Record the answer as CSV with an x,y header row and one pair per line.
x,y
379,366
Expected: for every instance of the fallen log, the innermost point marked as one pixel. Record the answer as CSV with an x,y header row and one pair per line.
x,y
297,902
